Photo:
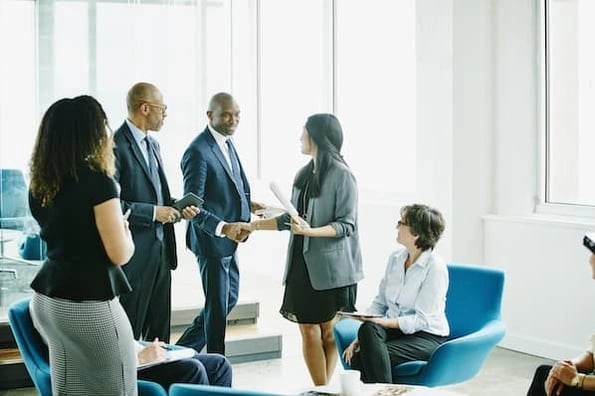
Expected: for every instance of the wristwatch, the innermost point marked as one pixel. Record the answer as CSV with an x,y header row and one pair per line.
x,y
577,381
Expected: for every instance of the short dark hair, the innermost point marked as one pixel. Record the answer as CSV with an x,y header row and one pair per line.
x,y
425,222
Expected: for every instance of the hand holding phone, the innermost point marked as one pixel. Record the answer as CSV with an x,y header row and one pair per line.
x,y
589,241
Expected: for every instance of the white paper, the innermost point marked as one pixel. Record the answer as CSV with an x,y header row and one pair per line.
x,y
178,353
286,203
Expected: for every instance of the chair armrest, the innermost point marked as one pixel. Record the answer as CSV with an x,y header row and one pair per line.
x,y
460,359
148,388
345,331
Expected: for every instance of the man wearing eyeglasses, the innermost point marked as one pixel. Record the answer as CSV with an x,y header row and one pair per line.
x,y
145,191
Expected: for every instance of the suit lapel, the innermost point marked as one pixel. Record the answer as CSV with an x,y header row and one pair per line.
x,y
219,155
140,158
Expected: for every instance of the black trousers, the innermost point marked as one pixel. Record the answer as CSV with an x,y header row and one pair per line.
x,y
380,349
537,387
148,306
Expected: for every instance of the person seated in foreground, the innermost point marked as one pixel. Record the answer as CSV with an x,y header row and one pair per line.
x,y
202,368
567,377
411,301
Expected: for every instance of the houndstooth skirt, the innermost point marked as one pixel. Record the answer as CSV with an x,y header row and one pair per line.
x,y
91,346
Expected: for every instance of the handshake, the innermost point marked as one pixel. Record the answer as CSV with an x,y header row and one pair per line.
x,y
237,232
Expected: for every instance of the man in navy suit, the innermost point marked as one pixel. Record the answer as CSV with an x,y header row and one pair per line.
x,y
212,170
144,190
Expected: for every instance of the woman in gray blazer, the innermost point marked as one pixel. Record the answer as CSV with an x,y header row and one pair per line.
x,y
323,260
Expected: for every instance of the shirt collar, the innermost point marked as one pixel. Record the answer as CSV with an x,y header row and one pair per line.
x,y
136,132
422,260
219,138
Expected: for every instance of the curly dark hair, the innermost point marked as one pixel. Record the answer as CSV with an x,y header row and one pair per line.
x,y
73,133
425,222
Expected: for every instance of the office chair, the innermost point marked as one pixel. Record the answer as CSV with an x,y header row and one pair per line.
x,y
14,201
207,390
473,303
35,353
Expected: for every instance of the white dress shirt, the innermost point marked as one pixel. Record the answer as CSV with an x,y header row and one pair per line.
x,y
139,136
417,298
222,143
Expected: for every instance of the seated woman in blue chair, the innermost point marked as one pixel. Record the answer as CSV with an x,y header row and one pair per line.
x,y
567,377
410,301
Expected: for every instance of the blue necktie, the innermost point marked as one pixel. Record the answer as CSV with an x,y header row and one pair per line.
x,y
237,175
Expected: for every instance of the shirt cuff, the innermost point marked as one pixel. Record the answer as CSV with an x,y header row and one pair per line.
x,y
154,213
219,229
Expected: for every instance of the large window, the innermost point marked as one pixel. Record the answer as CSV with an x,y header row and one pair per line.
x,y
570,66
282,59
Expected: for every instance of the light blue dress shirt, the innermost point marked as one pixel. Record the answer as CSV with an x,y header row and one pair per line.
x,y
417,298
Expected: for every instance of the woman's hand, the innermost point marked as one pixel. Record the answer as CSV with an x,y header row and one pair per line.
x,y
300,228
562,373
387,323
350,351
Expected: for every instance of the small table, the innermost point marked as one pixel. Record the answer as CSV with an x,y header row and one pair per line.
x,y
386,390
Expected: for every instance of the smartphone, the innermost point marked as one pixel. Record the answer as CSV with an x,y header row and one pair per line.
x,y
127,214
589,241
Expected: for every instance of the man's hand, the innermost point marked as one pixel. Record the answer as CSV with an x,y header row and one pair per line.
x,y
153,352
254,206
237,232
166,214
189,212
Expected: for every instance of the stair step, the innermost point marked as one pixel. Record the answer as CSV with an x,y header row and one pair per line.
x,y
248,343
245,312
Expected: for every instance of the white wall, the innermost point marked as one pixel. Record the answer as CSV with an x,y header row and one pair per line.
x,y
497,131
477,160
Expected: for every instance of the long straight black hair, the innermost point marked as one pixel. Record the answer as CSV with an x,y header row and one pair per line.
x,y
326,132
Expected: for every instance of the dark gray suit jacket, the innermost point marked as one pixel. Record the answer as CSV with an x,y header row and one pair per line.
x,y
140,195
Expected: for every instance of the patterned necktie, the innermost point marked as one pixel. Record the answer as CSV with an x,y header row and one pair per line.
x,y
153,171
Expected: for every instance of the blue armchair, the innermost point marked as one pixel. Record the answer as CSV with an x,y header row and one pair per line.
x,y
473,304
206,390
35,353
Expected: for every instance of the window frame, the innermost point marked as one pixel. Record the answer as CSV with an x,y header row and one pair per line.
x,y
543,205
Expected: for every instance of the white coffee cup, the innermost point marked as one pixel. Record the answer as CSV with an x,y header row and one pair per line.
x,y
350,383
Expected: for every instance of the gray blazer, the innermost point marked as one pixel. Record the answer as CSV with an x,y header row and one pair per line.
x,y
332,262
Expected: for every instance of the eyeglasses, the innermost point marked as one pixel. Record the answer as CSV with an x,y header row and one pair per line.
x,y
162,107
401,223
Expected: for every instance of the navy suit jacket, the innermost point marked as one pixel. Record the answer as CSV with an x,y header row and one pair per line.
x,y
140,195
207,174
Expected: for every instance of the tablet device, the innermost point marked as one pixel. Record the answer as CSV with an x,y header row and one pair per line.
x,y
358,315
188,200
589,241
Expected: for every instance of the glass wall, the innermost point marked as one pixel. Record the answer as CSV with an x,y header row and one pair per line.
x,y
282,60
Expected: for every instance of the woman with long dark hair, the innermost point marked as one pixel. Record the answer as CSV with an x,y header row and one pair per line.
x,y
76,203
324,261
